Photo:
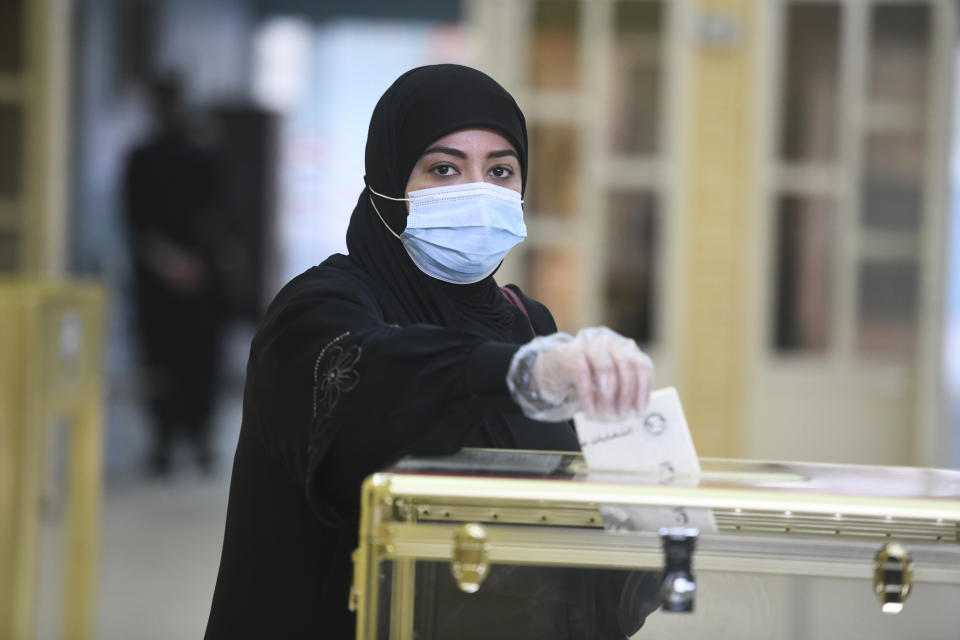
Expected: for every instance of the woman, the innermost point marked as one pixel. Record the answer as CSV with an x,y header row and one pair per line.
x,y
401,347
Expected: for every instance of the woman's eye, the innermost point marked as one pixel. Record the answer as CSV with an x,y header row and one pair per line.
x,y
444,170
501,172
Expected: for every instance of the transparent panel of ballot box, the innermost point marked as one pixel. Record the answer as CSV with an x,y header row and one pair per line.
x,y
521,544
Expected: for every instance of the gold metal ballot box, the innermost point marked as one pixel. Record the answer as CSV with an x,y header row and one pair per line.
x,y
521,544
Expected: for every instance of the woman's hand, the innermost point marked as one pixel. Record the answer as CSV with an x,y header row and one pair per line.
x,y
608,372
598,371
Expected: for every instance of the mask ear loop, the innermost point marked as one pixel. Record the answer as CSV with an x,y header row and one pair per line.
x,y
374,205
387,197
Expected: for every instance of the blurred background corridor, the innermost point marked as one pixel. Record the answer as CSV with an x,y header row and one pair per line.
x,y
763,193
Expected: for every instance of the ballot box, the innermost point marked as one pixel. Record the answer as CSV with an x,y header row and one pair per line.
x,y
520,544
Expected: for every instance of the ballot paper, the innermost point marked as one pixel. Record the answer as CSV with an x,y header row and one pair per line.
x,y
655,446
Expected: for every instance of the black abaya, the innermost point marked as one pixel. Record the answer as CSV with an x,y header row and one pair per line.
x,y
359,361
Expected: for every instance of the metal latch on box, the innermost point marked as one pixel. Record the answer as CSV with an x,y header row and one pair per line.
x,y
892,576
471,557
679,585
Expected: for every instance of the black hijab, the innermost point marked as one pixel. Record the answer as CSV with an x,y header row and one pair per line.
x,y
421,106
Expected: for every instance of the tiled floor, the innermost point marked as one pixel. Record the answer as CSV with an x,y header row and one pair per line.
x,y
159,557
161,538
160,544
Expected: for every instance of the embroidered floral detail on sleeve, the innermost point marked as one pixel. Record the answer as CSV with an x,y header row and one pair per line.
x,y
339,376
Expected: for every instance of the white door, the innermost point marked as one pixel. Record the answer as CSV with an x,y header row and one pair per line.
x,y
848,256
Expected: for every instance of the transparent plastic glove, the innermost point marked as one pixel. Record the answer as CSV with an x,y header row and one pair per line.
x,y
599,372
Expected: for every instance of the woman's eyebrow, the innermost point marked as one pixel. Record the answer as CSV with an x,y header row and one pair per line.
x,y
450,151
503,153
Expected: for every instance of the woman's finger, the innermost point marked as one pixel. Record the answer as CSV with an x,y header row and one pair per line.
x,y
628,379
604,374
582,378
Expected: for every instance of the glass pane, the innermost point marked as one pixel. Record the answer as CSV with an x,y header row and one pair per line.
x,y
552,188
524,602
11,147
11,36
9,251
632,265
729,601
893,180
809,99
804,260
552,279
554,57
393,580
899,59
887,308
637,76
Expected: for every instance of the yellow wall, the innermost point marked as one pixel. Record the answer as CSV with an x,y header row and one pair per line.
x,y
718,195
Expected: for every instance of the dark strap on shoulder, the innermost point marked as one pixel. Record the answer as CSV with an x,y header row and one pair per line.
x,y
515,300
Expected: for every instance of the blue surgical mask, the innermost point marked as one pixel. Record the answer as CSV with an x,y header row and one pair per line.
x,y
460,233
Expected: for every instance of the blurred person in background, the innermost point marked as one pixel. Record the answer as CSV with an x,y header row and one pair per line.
x,y
408,346
172,195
